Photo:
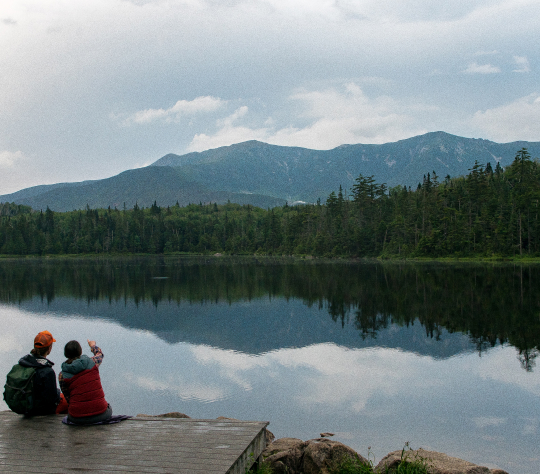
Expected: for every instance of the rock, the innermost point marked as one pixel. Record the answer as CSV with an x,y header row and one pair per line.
x,y
438,463
269,435
316,456
326,435
281,444
285,455
321,454
173,414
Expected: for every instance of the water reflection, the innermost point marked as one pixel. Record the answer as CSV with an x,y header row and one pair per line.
x,y
491,305
464,405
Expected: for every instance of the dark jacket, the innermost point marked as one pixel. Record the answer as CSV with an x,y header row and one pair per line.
x,y
82,387
45,392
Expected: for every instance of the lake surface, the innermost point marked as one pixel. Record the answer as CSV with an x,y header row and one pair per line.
x,y
442,356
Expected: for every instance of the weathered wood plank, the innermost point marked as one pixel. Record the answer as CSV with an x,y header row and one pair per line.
x,y
141,444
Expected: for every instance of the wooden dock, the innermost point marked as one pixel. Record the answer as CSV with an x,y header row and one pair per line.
x,y
139,445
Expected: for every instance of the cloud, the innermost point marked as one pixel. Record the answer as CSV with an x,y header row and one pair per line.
x,y
72,63
228,133
475,68
200,105
523,64
313,372
9,343
502,369
485,421
346,116
384,11
184,390
9,159
517,120
331,117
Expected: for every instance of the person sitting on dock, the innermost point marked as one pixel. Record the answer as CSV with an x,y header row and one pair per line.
x,y
31,385
81,385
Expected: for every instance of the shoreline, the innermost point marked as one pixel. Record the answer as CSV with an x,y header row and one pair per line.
x,y
293,258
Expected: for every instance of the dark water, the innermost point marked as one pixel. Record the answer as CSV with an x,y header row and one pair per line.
x,y
443,356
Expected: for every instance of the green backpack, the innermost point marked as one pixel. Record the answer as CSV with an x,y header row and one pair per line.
x,y
18,389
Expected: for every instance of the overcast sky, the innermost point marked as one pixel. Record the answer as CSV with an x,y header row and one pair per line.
x,y
90,88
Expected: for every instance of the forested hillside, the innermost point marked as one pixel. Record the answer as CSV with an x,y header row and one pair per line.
x,y
265,175
488,212
301,174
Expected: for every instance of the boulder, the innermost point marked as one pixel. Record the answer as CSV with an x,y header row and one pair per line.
x,y
285,456
321,454
438,463
281,444
316,456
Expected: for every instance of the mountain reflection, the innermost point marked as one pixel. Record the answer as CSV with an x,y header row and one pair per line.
x,y
488,304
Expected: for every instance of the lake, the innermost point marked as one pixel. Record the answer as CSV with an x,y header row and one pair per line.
x,y
439,355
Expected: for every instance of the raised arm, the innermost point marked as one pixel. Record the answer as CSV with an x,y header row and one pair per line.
x,y
98,355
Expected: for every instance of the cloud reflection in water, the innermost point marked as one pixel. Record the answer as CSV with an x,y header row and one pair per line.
x,y
464,405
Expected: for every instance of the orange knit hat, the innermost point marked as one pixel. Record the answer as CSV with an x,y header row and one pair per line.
x,y
43,339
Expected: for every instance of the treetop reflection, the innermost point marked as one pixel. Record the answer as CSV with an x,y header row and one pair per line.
x,y
491,304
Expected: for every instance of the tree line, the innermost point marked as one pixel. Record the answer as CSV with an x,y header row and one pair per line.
x,y
489,212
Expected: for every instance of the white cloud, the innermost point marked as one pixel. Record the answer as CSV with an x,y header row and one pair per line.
x,y
229,359
238,114
228,133
9,343
517,120
523,64
475,68
501,368
200,105
347,116
334,116
313,372
485,421
9,159
181,388
382,10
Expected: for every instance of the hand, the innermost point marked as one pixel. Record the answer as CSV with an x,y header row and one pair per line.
x,y
91,343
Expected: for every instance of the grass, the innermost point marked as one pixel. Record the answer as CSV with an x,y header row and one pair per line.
x,y
409,464
262,469
349,465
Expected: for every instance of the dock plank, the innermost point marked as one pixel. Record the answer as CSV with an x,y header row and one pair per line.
x,y
141,444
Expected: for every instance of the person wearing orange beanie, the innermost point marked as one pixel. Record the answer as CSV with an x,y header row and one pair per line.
x,y
45,393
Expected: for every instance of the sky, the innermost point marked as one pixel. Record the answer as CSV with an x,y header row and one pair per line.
x,y
91,88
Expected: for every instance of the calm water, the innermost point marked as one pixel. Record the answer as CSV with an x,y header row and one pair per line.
x,y
442,356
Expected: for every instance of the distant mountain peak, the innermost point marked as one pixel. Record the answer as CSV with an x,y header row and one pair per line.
x,y
266,175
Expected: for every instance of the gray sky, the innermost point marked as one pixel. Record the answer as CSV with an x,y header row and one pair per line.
x,y
91,88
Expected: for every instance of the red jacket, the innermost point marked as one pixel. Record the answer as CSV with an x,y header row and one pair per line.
x,y
86,396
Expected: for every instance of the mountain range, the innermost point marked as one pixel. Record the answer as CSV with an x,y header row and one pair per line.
x,y
267,175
